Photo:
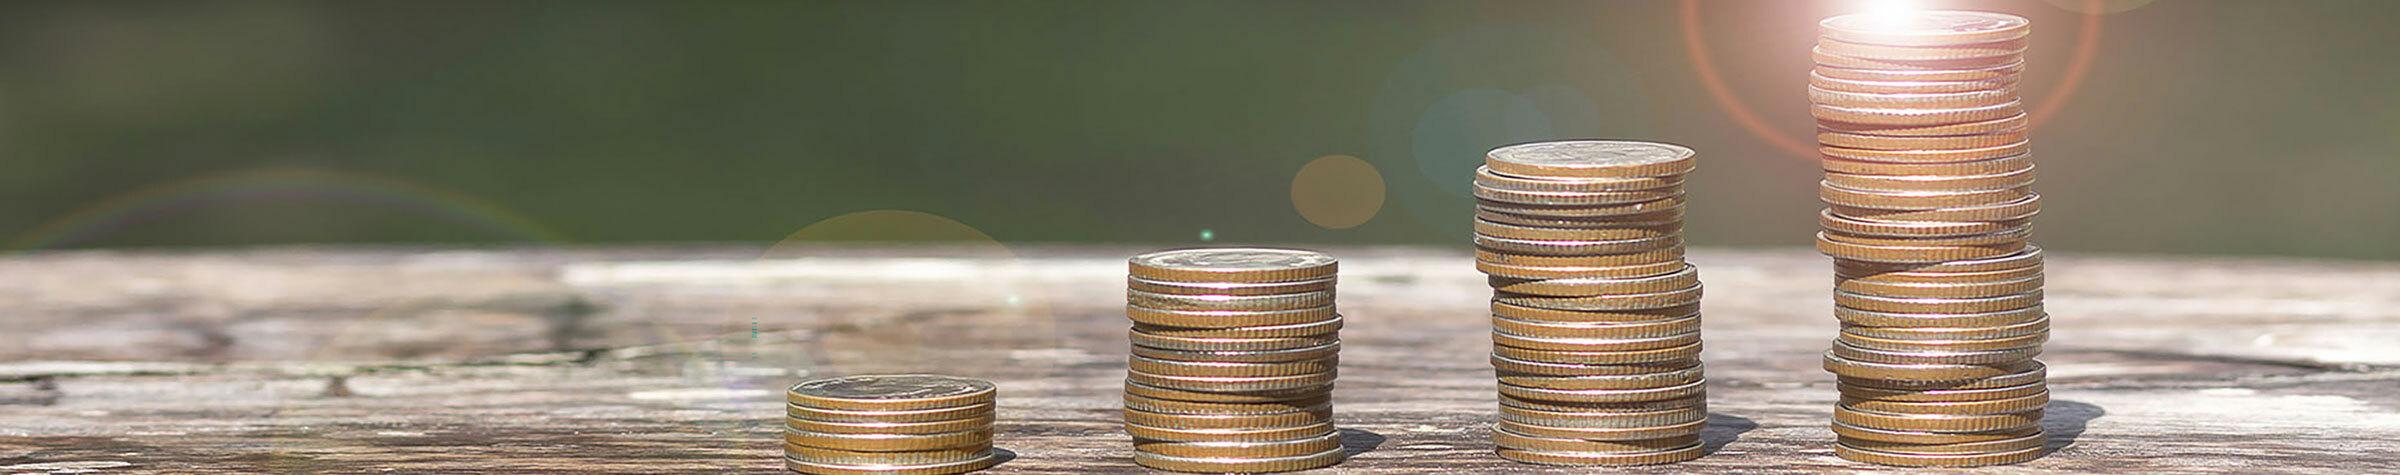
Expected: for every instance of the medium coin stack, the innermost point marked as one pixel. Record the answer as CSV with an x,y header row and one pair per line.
x,y
1595,314
1929,178
912,424
1234,353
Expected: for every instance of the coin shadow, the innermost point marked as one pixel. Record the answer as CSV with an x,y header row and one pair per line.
x,y
1723,429
1001,456
1356,441
2065,420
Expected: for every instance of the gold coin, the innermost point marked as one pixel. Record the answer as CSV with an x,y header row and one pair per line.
x,y
2002,48
1569,198
888,442
1138,389
1990,344
1590,159
1594,344
1913,254
1629,231
927,427
1252,303
1507,365
1228,318
1917,437
1618,381
1233,265
2030,441
1924,28
816,468
1321,414
1581,211
1604,260
1597,330
1691,389
1970,390
1685,454
1581,222
853,457
1849,368
1851,140
1671,298
1939,290
892,392
1936,305
1988,239
1686,429
1937,460
2032,257
1973,168
1653,356
1604,419
1697,401
1172,368
1323,328
1519,312
2014,122
2024,403
1909,277
1143,339
1935,183
910,415
1580,287
1262,356
1229,288
1544,271
2037,326
1245,434
1861,227
1278,448
1913,100
1820,80
1851,316
1940,423
1928,155
1845,350
1511,440
1914,117
1232,383
1574,248
1847,202
1828,59
1240,465
1486,178
1169,406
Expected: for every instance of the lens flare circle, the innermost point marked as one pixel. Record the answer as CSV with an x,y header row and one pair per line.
x,y
1337,192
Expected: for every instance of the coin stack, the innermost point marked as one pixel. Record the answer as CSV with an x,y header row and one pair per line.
x,y
1234,353
1929,176
1595,314
913,424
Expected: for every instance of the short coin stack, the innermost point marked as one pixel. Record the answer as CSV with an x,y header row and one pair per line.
x,y
1595,314
1929,178
912,424
1234,355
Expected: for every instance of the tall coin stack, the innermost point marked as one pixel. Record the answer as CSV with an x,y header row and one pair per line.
x,y
1234,354
1595,315
912,424
1929,178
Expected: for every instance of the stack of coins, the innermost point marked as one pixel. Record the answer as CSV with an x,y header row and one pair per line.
x,y
1234,353
1595,315
914,424
1929,178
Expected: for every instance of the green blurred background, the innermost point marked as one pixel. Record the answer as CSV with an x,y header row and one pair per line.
x,y
2217,127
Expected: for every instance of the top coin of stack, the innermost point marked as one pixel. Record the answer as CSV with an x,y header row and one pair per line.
x,y
1234,356
914,424
1929,175
1595,315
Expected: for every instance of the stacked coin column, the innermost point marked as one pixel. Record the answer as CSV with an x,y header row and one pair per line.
x,y
1234,355
1595,315
1929,178
889,424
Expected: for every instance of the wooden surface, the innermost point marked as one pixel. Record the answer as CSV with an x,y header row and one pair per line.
x,y
672,360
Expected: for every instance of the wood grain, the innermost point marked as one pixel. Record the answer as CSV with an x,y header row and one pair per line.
x,y
672,359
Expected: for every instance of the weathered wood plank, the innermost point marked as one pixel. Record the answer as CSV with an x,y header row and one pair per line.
x,y
644,360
